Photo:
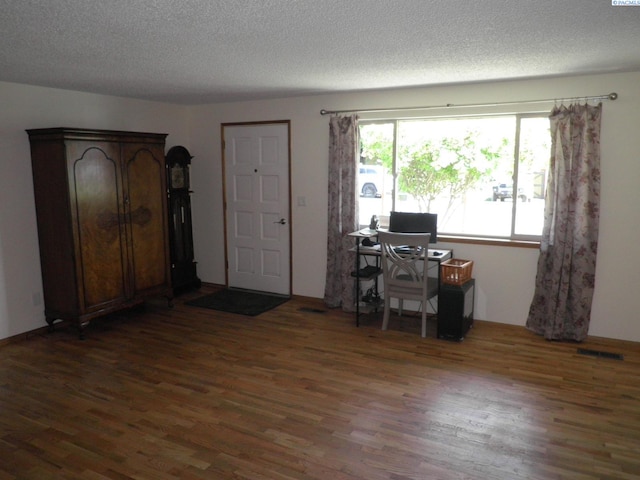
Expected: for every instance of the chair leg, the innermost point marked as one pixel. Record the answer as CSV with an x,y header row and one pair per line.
x,y
385,315
400,307
424,320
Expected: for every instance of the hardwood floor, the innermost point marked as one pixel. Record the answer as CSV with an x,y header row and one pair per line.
x,y
301,393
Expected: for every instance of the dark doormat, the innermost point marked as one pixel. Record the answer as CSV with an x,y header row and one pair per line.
x,y
242,302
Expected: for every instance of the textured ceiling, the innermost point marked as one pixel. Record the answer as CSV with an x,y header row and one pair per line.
x,y
206,51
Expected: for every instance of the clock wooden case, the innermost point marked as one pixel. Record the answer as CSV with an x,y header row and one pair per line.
x,y
101,207
183,266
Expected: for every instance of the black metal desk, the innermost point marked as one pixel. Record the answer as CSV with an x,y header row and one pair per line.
x,y
362,251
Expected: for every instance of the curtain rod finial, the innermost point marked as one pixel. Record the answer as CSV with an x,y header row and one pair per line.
x,y
323,112
613,96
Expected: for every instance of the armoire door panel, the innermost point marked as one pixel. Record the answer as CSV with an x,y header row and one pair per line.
x,y
146,207
96,200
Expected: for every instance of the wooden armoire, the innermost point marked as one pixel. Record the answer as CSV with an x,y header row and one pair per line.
x,y
101,203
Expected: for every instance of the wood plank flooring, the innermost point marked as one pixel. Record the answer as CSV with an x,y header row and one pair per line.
x,y
301,393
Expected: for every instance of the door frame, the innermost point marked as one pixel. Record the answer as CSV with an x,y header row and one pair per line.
x,y
224,193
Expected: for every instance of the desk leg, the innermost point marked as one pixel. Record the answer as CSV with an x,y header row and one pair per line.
x,y
356,292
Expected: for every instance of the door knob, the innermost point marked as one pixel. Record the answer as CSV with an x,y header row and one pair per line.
x,y
282,221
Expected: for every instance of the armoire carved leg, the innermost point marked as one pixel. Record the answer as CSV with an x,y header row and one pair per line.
x,y
81,329
50,322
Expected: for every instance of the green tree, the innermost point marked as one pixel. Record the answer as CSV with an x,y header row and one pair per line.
x,y
447,169
377,145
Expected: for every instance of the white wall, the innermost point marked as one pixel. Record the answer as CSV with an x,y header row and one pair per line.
x,y
25,107
505,276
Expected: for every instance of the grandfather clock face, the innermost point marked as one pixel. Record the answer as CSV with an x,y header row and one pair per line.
x,y
178,176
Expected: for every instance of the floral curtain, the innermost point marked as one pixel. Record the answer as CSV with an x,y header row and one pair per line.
x,y
561,306
344,148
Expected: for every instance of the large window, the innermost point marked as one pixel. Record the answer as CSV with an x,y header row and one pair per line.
x,y
483,176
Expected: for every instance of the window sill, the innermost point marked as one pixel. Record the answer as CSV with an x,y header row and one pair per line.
x,y
494,242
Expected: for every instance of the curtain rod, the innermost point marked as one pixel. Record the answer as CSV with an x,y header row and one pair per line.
x,y
611,96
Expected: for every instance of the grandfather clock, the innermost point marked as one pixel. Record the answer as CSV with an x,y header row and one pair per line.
x,y
183,266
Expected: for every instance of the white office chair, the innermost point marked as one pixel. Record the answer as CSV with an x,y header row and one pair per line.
x,y
404,272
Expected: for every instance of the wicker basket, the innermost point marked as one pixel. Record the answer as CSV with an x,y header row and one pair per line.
x,y
456,271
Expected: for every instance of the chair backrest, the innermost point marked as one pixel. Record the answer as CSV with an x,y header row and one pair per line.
x,y
403,269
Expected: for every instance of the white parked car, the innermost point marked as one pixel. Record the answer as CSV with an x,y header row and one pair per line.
x,y
370,181
505,190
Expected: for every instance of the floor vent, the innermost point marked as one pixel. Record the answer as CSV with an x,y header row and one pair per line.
x,y
598,353
312,310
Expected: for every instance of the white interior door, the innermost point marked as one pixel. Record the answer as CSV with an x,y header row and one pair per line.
x,y
257,206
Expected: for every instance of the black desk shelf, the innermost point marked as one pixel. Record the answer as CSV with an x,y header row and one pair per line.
x,y
367,273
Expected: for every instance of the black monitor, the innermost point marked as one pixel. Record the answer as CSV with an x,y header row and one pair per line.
x,y
410,222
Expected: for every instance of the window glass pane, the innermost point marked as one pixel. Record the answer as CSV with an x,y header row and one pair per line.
x,y
448,167
463,169
375,182
534,154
